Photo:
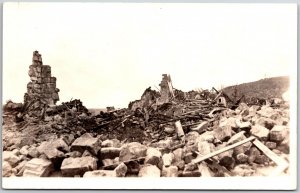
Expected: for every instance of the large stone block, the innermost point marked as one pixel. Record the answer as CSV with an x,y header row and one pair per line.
x,y
132,150
78,166
54,148
86,142
38,168
109,152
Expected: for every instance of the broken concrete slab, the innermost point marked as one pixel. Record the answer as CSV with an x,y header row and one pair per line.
x,y
78,166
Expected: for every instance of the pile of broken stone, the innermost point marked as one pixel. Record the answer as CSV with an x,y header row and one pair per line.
x,y
164,134
89,156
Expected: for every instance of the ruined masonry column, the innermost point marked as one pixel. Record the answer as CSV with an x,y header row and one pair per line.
x,y
42,85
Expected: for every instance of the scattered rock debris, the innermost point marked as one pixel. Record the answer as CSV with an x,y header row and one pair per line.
x,y
169,133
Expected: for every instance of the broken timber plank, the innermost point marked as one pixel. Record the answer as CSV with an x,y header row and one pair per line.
x,y
179,129
197,160
282,164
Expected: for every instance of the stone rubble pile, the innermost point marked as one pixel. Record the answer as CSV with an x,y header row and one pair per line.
x,y
164,134
91,155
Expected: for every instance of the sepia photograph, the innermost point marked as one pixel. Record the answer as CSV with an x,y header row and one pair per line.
x,y
149,96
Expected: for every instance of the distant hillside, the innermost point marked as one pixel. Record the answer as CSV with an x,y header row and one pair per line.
x,y
264,88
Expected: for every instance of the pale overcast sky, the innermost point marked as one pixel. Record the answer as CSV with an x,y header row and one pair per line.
x,y
107,54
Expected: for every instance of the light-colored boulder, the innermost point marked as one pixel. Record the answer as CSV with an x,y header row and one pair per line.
x,y
38,168
223,133
78,166
121,170
260,132
131,151
171,171
153,156
149,171
11,158
52,149
168,159
6,169
86,142
279,133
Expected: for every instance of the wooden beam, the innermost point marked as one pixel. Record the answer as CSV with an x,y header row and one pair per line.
x,y
197,160
282,164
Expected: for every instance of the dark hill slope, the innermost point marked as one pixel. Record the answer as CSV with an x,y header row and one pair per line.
x,y
264,88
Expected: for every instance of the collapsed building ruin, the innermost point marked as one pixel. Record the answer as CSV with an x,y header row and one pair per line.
x,y
169,133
